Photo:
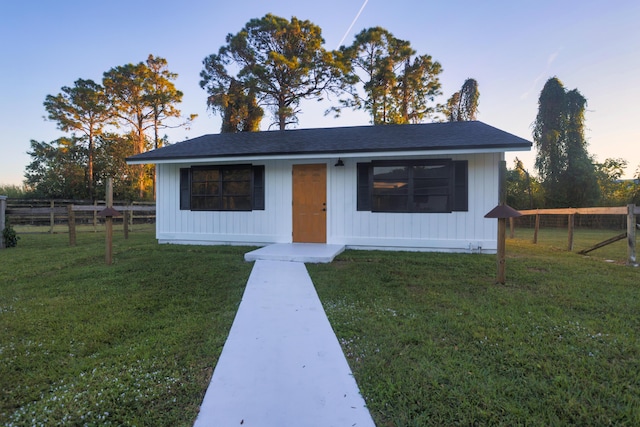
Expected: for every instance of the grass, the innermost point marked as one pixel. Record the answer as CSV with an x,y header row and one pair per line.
x,y
558,239
135,343
433,341
430,338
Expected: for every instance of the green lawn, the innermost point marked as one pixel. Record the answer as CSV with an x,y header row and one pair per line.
x,y
82,343
431,339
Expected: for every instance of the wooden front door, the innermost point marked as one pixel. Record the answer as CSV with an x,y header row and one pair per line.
x,y
310,203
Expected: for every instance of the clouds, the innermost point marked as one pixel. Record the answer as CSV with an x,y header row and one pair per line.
x,y
546,74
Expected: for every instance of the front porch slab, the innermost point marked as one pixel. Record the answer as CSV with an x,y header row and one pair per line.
x,y
296,252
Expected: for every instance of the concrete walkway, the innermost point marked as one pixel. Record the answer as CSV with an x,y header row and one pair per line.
x,y
282,364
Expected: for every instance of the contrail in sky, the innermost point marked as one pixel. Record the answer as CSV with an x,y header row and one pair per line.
x,y
352,23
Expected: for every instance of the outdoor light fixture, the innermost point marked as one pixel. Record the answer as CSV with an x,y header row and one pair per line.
x,y
339,163
502,212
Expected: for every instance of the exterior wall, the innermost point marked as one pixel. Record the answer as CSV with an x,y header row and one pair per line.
x,y
455,232
271,225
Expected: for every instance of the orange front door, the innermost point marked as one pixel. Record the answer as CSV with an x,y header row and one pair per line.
x,y
310,203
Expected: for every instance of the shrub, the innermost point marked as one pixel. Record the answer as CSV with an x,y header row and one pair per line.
x,y
9,236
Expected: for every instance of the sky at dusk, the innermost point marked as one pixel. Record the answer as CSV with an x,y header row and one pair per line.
x,y
510,47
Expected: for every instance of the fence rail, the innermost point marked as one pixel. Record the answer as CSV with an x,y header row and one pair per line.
x,y
49,213
630,211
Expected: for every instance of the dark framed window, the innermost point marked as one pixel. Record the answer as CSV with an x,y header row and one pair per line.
x,y
222,188
424,186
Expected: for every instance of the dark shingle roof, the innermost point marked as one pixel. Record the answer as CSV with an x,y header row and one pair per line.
x,y
341,140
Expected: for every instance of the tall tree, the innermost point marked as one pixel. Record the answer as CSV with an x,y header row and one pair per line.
x,y
386,79
126,86
162,97
57,169
580,171
463,105
110,160
523,191
81,109
614,192
563,163
548,135
241,112
142,96
282,62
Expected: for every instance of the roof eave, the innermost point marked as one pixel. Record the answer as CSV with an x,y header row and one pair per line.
x,y
328,154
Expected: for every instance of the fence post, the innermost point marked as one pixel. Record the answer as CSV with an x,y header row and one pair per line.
x,y
52,217
108,222
570,220
512,228
125,223
95,216
631,235
3,218
72,225
536,228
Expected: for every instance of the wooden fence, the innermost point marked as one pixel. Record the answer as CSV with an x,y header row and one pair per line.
x,y
630,211
48,213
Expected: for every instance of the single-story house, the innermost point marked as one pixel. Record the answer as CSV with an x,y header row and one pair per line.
x,y
411,187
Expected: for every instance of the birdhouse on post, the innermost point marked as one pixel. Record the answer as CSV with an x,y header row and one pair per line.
x,y
108,213
502,212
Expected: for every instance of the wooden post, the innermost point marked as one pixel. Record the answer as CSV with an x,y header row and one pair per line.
x,y
108,222
512,228
125,223
72,225
95,216
3,218
631,235
570,220
502,223
502,249
536,228
52,219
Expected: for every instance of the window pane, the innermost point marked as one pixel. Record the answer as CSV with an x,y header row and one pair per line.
x,y
206,175
213,188
205,188
390,188
391,173
236,188
205,203
212,203
197,203
237,203
431,203
431,171
430,186
198,188
385,203
236,174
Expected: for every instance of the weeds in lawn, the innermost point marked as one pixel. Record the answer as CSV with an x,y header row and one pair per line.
x,y
134,343
433,341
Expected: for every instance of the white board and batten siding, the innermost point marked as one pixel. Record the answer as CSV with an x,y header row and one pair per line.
x,y
449,232
446,232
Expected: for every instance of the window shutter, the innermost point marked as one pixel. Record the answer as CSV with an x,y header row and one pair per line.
x,y
364,187
185,189
461,186
258,188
